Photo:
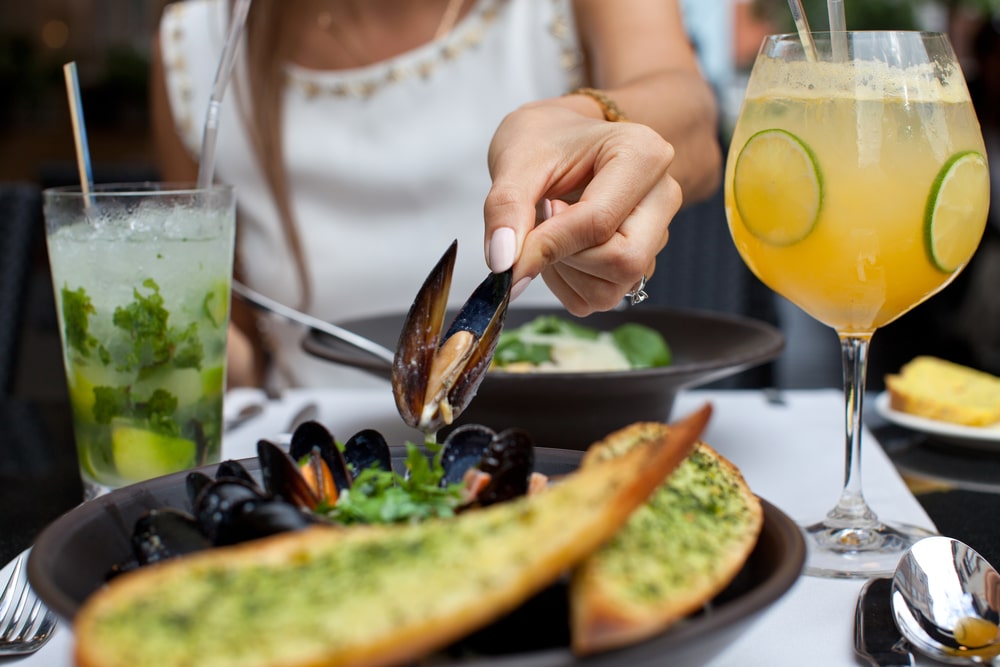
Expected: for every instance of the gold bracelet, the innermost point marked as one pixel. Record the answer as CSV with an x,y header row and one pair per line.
x,y
612,112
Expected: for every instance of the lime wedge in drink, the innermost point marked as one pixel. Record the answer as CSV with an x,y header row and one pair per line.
x,y
956,210
777,187
142,454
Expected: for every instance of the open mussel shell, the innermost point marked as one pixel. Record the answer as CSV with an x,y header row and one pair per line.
x,y
282,477
463,449
312,439
419,339
507,457
509,460
366,449
430,395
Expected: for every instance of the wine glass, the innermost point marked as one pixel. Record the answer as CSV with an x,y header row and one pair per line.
x,y
856,187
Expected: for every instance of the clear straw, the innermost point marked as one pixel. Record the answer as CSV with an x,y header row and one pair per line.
x,y
79,129
802,26
206,165
838,29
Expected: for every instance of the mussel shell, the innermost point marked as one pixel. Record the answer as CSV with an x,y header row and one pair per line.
x,y
194,483
365,449
312,436
282,477
463,449
420,337
220,501
164,533
483,315
510,460
233,469
252,521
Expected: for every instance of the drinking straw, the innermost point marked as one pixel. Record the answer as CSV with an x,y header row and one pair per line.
x,y
802,26
222,75
79,129
838,29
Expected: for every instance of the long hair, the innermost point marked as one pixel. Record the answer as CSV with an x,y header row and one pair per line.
x,y
268,48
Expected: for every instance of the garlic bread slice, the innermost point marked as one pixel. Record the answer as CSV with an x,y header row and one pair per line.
x,y
674,554
372,595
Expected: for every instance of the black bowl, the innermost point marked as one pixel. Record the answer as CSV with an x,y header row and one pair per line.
x,y
72,555
573,410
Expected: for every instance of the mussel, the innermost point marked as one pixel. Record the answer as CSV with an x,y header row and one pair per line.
x,y
433,376
232,506
493,467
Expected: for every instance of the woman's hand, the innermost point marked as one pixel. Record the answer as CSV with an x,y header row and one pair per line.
x,y
593,251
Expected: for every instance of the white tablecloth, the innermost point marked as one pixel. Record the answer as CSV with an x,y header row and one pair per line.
x,y
791,454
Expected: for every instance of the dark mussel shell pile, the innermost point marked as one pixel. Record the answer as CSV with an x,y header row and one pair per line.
x,y
233,506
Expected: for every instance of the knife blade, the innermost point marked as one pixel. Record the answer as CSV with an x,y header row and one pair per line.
x,y
876,637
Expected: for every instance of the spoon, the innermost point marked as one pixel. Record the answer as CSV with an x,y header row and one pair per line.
x,y
350,338
945,598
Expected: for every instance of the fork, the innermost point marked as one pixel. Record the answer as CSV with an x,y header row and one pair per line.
x,y
25,623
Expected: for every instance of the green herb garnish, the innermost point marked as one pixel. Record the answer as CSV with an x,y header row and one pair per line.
x,y
384,496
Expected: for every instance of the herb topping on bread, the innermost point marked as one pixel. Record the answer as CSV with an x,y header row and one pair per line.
x,y
372,595
675,553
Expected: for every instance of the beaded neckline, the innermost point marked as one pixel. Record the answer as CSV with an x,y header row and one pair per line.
x,y
423,62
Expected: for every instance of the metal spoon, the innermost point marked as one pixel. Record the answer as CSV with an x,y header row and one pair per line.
x,y
945,600
261,302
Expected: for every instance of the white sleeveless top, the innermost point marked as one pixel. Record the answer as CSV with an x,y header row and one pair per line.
x,y
388,162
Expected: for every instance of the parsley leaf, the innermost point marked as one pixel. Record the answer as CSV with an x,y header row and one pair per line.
x,y
384,496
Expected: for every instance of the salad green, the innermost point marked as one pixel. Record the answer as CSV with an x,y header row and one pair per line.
x,y
539,341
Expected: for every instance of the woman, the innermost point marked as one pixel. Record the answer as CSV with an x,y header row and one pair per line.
x,y
364,135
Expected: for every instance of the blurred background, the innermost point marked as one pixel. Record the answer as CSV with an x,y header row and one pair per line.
x,y
110,41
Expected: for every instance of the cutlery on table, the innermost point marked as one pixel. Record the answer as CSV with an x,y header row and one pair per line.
x,y
261,302
245,414
25,623
307,412
876,637
946,601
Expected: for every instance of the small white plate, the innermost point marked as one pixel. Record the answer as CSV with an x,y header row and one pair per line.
x,y
981,437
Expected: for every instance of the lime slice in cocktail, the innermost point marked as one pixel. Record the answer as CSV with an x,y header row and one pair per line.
x,y
777,187
143,454
956,210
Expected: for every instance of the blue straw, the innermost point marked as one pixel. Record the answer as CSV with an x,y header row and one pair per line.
x,y
79,128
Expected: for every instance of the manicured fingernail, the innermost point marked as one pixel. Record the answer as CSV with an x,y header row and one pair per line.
x,y
503,248
519,287
546,208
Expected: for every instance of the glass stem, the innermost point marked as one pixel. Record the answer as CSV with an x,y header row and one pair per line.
x,y
851,509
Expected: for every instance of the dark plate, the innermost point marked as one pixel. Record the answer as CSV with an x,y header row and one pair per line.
x,y
572,410
73,554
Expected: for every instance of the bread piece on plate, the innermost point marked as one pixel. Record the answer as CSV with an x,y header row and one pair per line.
x,y
675,553
375,595
938,389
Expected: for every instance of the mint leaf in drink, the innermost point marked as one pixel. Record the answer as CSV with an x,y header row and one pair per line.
x,y
188,348
111,402
158,409
77,308
145,320
154,341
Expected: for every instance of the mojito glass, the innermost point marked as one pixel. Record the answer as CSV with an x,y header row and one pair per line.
x,y
142,275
